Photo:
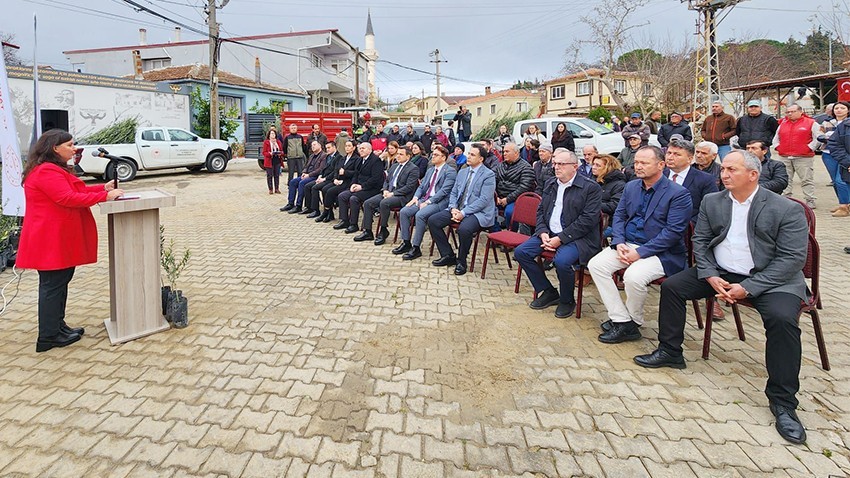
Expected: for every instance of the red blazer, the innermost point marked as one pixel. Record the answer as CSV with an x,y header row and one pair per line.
x,y
267,152
59,230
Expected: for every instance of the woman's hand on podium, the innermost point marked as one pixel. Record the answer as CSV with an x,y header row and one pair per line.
x,y
115,193
109,185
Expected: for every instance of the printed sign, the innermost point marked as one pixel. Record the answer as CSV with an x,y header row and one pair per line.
x,y
13,191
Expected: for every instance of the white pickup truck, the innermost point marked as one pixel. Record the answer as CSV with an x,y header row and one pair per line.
x,y
156,148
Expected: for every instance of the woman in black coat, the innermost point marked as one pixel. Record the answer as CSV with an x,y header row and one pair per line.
x,y
562,138
606,169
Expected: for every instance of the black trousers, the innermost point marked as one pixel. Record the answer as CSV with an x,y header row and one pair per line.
x,y
466,232
384,205
350,203
52,297
273,174
311,194
294,167
331,194
779,312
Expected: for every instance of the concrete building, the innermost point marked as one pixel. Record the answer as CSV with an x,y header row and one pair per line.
x,y
318,63
579,93
429,107
235,93
492,105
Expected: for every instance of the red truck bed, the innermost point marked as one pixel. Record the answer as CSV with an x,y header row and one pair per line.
x,y
330,123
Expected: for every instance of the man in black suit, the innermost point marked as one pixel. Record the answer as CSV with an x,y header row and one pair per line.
x,y
773,175
750,243
402,180
568,225
340,180
679,157
366,182
311,191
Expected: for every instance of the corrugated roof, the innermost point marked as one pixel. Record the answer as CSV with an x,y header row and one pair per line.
x,y
200,71
790,82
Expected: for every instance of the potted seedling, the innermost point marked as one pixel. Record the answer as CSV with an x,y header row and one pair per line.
x,y
9,236
175,307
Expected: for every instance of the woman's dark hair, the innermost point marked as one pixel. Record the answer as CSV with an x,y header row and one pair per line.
x,y
845,103
42,151
269,134
558,135
421,147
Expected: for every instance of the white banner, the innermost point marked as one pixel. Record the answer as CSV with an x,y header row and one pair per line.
x,y
13,192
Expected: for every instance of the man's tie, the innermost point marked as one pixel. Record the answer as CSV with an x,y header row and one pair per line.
x,y
462,200
395,177
675,175
431,184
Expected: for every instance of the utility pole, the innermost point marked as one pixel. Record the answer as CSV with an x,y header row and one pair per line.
x,y
215,43
436,55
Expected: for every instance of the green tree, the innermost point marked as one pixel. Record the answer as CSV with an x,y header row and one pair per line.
x,y
638,60
491,129
600,115
201,116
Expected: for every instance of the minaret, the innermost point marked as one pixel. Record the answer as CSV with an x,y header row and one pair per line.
x,y
372,55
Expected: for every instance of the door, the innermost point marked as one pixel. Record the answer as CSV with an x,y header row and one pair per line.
x,y
185,148
153,148
576,129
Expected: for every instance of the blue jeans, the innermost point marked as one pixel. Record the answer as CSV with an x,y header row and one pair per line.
x,y
723,150
565,258
842,190
296,190
509,211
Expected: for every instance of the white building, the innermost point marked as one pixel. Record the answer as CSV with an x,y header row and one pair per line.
x,y
320,63
372,54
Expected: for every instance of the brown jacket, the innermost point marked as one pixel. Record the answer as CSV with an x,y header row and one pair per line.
x,y
718,129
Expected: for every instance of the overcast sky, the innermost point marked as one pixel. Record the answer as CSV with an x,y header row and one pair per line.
x,y
491,42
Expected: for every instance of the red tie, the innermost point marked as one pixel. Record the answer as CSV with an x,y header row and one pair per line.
x,y
431,185
675,175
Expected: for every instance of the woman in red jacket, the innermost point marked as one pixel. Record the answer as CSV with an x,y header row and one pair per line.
x,y
272,152
59,231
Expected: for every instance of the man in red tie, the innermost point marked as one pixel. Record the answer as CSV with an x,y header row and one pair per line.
x,y
432,196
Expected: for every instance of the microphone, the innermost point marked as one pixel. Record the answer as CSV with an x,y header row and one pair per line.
x,y
113,162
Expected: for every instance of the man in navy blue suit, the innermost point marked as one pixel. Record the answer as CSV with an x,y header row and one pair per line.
x,y
648,242
679,157
568,225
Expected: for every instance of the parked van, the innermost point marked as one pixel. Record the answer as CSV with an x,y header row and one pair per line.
x,y
584,130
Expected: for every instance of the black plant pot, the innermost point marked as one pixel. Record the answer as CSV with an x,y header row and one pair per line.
x,y
4,258
180,317
166,296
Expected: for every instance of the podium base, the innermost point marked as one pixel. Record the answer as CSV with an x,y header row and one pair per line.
x,y
115,338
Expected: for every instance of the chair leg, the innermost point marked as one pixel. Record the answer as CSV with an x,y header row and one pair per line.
x,y
454,237
740,325
580,278
706,338
697,313
397,228
486,256
474,252
507,258
518,277
432,250
824,359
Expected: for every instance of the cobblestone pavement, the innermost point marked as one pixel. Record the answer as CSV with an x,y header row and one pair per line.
x,y
310,355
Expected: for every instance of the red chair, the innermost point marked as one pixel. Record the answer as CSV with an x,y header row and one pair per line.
x,y
525,212
811,270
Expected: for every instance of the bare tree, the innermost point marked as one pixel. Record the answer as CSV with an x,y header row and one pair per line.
x,y
837,21
10,55
667,67
610,27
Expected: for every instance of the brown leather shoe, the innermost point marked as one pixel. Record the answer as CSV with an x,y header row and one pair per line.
x,y
717,312
842,211
586,280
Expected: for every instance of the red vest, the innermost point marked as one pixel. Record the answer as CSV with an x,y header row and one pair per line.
x,y
59,230
795,136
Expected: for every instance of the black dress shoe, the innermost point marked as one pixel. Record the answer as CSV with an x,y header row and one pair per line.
x,y
380,240
606,326
847,249
548,298
71,330
363,236
565,309
445,261
307,211
314,214
295,210
659,359
621,332
788,424
59,340
402,248
351,229
460,268
414,253
321,216
341,224
330,217
287,207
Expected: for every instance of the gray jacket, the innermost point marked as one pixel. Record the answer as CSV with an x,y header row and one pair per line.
x,y
778,237
442,188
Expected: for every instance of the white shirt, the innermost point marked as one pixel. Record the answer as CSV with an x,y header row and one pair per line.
x,y
680,178
555,221
733,253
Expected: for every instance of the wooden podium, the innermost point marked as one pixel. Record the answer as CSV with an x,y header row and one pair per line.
x,y
135,300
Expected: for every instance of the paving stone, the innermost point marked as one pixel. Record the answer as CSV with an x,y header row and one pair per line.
x,y
418,469
402,444
229,464
527,461
444,451
338,452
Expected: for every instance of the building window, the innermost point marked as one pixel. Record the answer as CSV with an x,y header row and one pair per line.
x,y
79,67
478,111
556,92
492,109
521,106
232,105
315,60
281,105
647,89
584,88
156,63
340,67
620,87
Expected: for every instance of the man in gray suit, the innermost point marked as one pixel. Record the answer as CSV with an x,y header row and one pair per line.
x,y
750,243
431,197
402,180
472,205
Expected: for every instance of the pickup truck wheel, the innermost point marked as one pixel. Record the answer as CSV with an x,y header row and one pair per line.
x,y
216,163
126,171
